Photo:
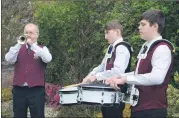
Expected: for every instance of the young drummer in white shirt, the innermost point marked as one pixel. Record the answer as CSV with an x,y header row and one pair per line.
x,y
113,34
153,69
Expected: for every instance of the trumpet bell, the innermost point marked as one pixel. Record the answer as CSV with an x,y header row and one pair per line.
x,y
22,39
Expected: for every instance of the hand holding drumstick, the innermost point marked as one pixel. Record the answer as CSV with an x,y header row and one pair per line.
x,y
89,79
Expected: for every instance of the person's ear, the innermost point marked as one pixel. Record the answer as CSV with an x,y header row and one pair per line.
x,y
37,34
118,32
155,26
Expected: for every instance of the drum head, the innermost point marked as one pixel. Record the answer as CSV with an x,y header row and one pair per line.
x,y
96,86
68,89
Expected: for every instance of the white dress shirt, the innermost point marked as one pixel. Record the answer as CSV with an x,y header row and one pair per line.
x,y
160,62
43,53
120,63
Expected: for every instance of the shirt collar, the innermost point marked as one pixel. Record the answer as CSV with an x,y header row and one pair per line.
x,y
33,43
117,41
149,43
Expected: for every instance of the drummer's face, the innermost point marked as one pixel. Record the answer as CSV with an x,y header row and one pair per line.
x,y
111,35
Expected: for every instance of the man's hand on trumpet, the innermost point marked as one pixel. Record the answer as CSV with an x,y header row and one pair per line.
x,y
89,79
115,81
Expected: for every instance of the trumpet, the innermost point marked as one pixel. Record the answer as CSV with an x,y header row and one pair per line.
x,y
22,39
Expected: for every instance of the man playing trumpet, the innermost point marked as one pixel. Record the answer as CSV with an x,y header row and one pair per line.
x,y
30,61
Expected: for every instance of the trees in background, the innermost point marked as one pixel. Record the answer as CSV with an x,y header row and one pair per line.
x,y
74,32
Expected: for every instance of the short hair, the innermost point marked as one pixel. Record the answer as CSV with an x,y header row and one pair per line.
x,y
154,16
114,24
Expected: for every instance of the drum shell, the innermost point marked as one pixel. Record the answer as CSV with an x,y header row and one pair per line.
x,y
68,96
91,94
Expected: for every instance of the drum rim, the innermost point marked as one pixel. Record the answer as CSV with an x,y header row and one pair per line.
x,y
96,86
68,89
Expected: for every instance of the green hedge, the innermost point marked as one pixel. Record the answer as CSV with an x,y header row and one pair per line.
x,y
74,32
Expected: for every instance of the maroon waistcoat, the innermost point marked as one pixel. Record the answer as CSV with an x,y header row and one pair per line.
x,y
110,61
152,97
27,69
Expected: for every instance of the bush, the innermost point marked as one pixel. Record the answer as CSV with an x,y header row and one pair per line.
x,y
6,94
79,111
52,95
173,99
7,109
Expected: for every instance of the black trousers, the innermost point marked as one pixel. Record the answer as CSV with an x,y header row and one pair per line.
x,y
24,97
115,111
152,113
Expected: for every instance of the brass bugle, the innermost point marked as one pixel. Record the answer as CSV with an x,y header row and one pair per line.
x,y
22,39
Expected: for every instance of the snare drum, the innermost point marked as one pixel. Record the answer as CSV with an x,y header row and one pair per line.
x,y
68,96
96,94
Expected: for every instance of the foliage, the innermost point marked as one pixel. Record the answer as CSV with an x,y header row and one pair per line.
x,y
79,111
87,111
6,94
52,96
173,101
73,33
15,14
175,80
127,111
7,111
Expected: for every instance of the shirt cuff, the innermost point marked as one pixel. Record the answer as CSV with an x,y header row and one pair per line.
x,y
36,49
130,79
92,73
17,46
126,74
122,75
99,77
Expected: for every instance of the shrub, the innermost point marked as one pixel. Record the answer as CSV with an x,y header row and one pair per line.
x,y
6,94
52,95
79,111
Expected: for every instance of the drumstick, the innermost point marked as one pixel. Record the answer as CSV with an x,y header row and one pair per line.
x,y
73,85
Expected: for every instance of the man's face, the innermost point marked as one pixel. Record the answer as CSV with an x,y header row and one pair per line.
x,y
146,30
111,35
30,31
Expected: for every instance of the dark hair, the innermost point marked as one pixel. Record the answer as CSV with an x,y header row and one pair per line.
x,y
114,24
154,16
